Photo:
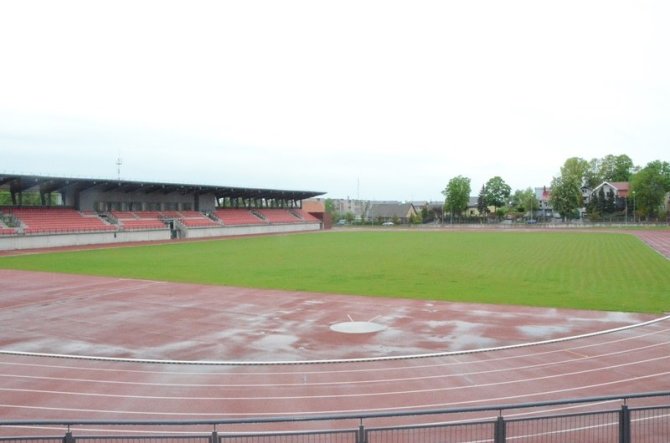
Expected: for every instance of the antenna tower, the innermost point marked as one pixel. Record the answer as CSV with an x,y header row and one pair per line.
x,y
118,167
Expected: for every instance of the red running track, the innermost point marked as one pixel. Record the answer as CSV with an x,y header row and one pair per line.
x,y
657,240
60,314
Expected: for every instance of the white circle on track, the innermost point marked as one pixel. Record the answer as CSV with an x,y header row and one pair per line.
x,y
357,327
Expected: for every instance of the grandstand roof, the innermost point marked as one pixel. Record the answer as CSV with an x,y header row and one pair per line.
x,y
20,183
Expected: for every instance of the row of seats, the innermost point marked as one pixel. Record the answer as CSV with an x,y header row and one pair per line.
x,y
237,217
194,219
153,219
142,224
278,216
56,220
61,220
263,216
7,231
203,222
138,220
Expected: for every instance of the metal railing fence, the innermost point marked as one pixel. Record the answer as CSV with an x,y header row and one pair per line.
x,y
631,418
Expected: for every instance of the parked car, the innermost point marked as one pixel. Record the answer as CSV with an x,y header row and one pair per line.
x,y
389,223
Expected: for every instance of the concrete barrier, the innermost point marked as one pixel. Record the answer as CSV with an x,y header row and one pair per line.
x,y
18,242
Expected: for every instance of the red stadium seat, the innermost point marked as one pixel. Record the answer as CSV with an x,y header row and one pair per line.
x,y
58,220
238,217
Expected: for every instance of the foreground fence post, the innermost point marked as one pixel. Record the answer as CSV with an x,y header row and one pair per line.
x,y
361,436
624,425
500,430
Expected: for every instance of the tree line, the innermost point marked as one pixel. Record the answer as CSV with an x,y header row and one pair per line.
x,y
647,191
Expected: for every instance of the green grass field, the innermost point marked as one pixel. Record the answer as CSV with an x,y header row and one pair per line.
x,y
604,271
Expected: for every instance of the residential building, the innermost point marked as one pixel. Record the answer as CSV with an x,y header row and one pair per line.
x,y
392,212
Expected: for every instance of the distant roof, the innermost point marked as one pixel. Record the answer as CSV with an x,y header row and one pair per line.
x,y
20,183
622,188
391,209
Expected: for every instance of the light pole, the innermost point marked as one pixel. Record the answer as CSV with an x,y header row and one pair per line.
x,y
626,210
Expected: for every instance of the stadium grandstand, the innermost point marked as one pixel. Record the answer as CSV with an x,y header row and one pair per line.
x,y
41,212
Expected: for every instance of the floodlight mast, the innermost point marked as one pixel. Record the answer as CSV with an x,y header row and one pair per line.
x,y
119,162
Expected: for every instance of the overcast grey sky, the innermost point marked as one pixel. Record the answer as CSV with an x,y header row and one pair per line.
x,y
382,100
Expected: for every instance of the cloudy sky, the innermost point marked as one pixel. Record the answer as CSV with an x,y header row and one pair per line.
x,y
382,100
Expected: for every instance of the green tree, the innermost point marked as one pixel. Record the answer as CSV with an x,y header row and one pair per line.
x,y
5,198
649,187
576,169
457,195
482,207
566,190
611,168
496,193
566,195
516,201
330,209
426,215
610,202
593,175
602,201
617,168
28,198
528,201
593,206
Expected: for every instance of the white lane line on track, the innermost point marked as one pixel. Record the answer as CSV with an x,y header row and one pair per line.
x,y
332,361
344,411
334,383
264,397
344,371
578,354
